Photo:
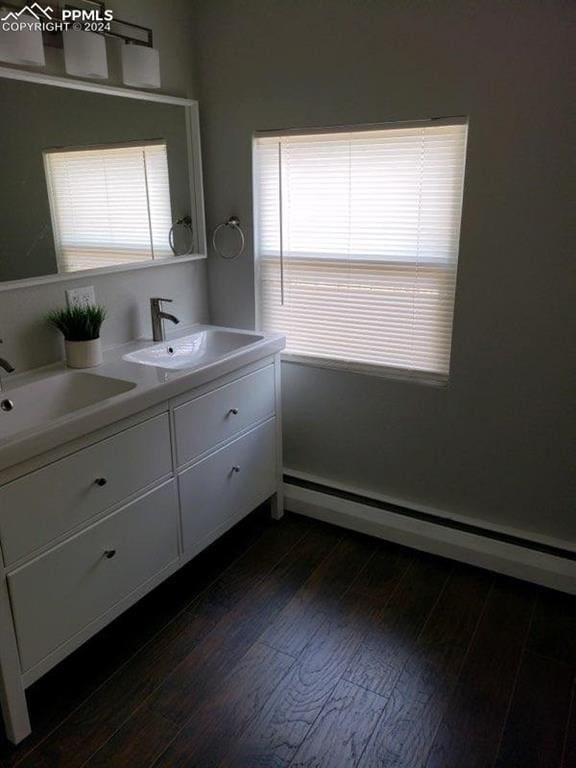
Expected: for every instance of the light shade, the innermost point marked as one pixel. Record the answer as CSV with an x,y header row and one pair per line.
x,y
140,66
22,46
85,54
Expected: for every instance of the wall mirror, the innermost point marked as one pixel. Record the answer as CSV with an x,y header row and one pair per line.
x,y
95,178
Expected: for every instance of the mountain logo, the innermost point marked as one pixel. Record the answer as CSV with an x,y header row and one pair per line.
x,y
39,12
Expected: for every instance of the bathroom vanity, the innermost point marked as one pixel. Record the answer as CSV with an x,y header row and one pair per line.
x,y
112,480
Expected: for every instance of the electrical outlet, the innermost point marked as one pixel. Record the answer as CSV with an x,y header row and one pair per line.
x,y
80,297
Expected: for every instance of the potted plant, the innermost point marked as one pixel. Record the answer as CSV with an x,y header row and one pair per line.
x,y
80,327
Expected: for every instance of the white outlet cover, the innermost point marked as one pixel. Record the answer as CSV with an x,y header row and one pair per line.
x,y
81,297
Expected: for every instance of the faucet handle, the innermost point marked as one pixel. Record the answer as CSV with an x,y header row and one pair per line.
x,y
159,299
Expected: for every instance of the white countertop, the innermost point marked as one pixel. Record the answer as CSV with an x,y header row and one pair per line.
x,y
152,385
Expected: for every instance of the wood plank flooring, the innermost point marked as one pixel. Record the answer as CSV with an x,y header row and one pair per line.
x,y
295,643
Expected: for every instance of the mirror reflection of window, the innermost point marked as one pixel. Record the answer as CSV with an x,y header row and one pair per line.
x,y
110,205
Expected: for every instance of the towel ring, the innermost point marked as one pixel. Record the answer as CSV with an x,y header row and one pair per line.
x,y
234,224
185,222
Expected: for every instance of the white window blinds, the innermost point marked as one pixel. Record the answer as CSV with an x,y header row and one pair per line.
x,y
357,243
109,205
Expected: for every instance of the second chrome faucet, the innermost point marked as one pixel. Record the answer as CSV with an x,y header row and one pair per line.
x,y
157,316
6,366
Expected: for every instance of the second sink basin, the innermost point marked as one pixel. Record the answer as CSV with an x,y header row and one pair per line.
x,y
198,349
51,398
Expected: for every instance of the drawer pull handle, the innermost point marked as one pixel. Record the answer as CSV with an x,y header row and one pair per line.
x,y
109,553
100,481
233,411
236,469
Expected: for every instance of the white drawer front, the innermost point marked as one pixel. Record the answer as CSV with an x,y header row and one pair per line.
x,y
228,484
37,508
217,416
62,591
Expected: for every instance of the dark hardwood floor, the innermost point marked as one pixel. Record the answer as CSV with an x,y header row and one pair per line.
x,y
300,644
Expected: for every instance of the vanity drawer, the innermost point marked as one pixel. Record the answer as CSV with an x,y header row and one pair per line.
x,y
217,416
227,485
62,591
37,508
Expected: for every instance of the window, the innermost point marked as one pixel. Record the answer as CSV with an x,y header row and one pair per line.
x,y
110,205
357,243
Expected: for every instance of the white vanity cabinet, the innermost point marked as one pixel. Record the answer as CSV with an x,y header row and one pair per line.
x,y
222,488
211,419
63,591
88,528
66,493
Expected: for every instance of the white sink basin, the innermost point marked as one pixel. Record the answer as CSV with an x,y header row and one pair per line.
x,y
198,349
51,398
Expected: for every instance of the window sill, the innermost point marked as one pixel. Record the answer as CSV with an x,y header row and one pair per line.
x,y
368,369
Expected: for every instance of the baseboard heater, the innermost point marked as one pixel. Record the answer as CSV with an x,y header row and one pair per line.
x,y
513,555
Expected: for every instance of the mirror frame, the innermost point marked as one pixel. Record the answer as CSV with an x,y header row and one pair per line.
x,y
194,166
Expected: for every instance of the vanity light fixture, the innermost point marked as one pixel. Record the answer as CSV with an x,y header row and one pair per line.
x,y
85,54
21,46
140,60
84,51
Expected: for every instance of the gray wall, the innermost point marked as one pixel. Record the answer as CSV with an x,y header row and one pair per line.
x,y
27,342
497,443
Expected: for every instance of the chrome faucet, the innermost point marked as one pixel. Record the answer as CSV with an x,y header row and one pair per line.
x,y
6,366
157,316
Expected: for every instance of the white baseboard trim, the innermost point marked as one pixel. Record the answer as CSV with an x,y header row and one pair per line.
x,y
478,549
441,514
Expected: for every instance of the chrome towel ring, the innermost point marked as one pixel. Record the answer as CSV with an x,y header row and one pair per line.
x,y
234,224
185,222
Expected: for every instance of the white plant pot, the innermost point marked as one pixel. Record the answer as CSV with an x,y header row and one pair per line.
x,y
83,354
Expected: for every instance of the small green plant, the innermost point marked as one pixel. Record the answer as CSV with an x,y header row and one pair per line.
x,y
78,323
